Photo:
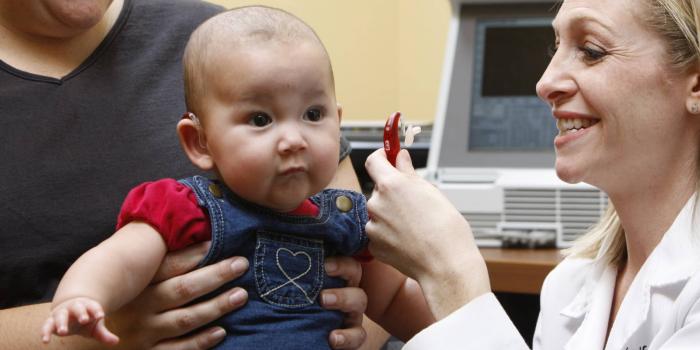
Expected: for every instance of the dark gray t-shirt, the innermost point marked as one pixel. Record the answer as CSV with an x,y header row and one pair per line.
x,y
71,148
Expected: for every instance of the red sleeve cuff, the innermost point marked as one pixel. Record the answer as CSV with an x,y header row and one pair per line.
x,y
171,208
363,256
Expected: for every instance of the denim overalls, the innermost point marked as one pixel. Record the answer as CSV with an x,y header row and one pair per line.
x,y
286,253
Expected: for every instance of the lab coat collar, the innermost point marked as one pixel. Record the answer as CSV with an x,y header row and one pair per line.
x,y
675,258
593,301
672,261
579,305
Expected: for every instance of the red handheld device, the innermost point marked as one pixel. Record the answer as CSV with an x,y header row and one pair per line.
x,y
392,142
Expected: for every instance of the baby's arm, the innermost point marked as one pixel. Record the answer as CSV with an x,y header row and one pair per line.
x,y
394,301
102,280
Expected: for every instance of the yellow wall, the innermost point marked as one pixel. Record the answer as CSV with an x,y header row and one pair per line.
x,y
387,54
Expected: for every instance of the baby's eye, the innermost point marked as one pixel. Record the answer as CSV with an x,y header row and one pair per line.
x,y
313,114
259,119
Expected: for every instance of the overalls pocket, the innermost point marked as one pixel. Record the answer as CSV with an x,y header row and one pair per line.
x,y
288,270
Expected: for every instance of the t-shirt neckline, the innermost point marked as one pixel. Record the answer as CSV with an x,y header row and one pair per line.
x,y
90,60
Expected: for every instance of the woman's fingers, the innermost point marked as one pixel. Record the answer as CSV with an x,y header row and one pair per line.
x,y
181,261
179,290
392,186
378,167
180,321
346,268
202,340
404,163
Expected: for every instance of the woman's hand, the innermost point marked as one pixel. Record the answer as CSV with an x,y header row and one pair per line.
x,y
351,300
415,228
158,319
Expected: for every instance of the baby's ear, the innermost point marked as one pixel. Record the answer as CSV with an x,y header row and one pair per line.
x,y
193,141
340,112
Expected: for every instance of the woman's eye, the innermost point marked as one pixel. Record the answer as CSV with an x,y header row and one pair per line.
x,y
313,114
591,54
260,119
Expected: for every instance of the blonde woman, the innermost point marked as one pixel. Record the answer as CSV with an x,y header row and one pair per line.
x,y
630,71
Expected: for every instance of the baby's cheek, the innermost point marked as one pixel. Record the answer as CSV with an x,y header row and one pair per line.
x,y
327,168
251,167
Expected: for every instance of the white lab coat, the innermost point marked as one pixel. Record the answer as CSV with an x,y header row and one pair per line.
x,y
661,309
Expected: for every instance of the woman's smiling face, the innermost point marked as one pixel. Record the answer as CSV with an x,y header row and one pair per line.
x,y
620,107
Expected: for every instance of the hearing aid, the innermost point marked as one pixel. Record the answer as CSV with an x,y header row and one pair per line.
x,y
392,138
191,116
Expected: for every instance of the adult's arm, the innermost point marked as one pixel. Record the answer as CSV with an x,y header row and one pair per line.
x,y
480,324
416,229
395,302
345,177
155,319
362,330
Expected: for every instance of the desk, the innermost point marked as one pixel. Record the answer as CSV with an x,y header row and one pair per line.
x,y
519,270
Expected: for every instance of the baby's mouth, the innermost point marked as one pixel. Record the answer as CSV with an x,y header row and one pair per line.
x,y
293,170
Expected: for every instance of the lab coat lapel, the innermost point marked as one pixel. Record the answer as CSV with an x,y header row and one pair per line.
x,y
594,300
633,312
673,261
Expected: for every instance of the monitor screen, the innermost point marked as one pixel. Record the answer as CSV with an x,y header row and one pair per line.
x,y
514,59
510,57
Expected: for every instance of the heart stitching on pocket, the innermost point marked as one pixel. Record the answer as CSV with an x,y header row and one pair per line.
x,y
291,280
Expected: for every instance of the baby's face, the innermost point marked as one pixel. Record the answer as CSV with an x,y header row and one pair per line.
x,y
271,122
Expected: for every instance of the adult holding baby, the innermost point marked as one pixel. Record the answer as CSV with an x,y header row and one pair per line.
x,y
90,92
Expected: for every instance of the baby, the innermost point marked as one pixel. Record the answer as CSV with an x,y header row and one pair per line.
x,y
263,118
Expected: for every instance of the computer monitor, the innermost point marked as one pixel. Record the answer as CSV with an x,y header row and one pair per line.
x,y
492,115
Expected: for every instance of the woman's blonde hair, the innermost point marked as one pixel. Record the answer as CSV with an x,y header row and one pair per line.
x,y
677,21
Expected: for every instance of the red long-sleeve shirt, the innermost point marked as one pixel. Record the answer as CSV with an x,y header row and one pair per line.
x,y
172,209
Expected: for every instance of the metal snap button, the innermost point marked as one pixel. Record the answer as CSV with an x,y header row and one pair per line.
x,y
215,190
343,203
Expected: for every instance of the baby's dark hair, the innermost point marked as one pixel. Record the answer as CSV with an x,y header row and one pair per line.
x,y
232,30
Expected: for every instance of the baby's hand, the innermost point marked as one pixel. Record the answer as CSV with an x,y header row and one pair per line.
x,y
79,315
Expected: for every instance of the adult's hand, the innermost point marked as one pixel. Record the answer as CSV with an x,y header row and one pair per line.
x,y
351,300
157,319
172,292
173,323
416,229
